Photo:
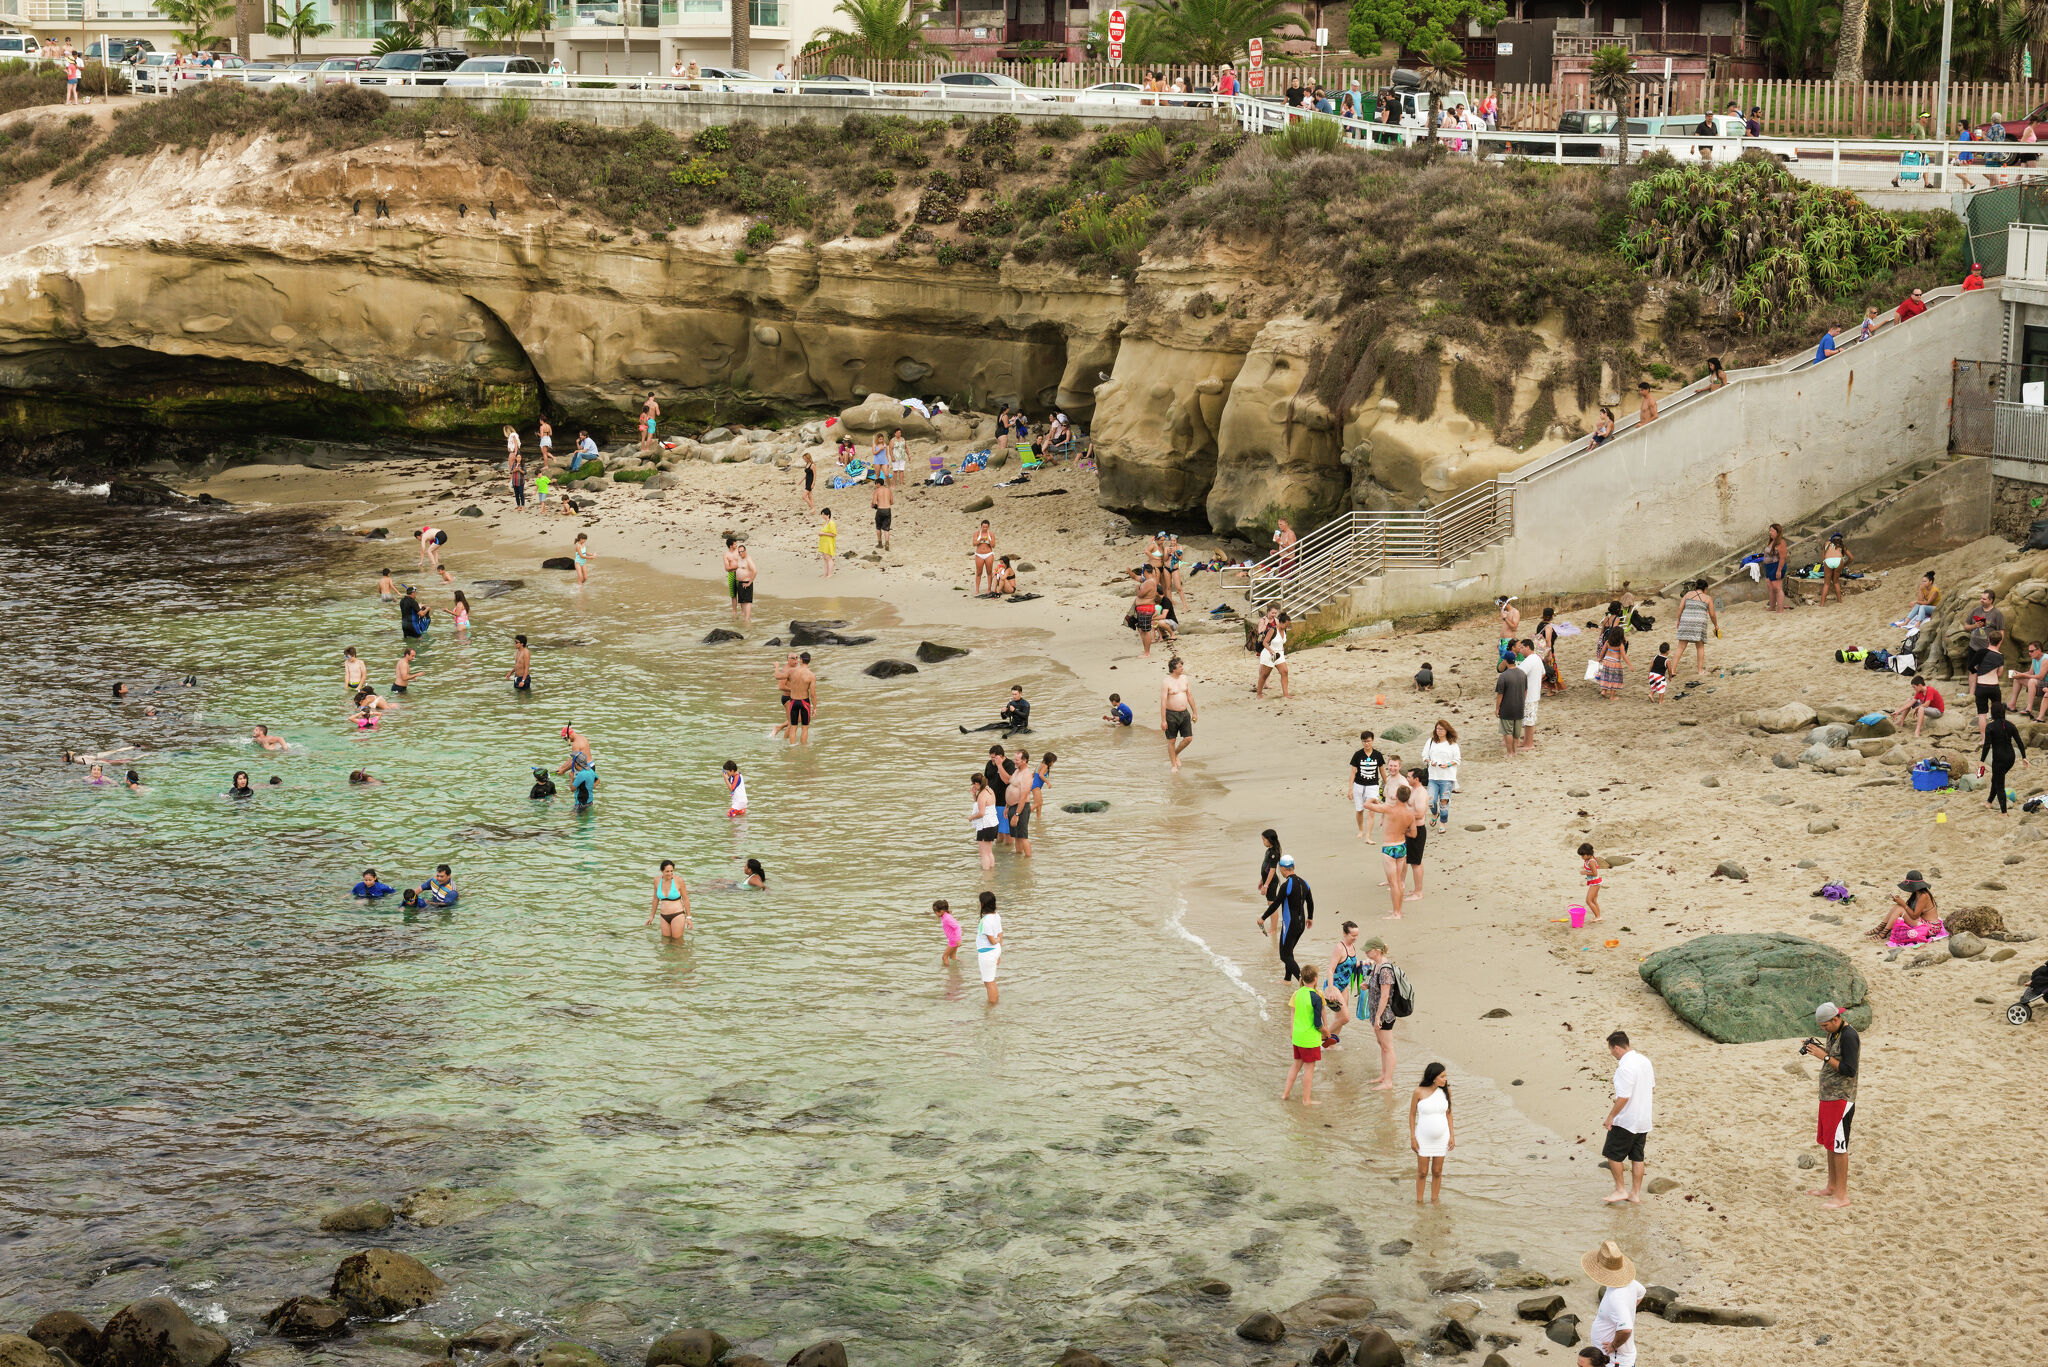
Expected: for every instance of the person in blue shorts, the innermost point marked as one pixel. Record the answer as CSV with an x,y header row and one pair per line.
x,y
1119,711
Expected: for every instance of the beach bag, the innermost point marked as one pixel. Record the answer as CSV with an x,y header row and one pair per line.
x,y
1848,657
1901,664
1638,621
1592,670
1401,1001
1877,659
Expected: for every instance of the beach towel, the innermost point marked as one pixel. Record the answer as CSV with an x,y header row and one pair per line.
x,y
974,460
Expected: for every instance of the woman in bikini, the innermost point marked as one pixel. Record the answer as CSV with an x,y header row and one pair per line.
x,y
671,903
984,557
1833,562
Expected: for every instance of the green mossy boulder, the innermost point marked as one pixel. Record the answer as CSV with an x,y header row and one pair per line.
x,y
1739,989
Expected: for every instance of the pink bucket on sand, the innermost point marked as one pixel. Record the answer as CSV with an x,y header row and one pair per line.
x,y
1578,918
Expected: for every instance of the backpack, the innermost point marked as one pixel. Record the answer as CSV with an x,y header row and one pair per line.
x,y
1401,1001
1877,659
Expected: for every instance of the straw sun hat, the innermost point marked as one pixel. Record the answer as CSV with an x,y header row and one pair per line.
x,y
1608,1265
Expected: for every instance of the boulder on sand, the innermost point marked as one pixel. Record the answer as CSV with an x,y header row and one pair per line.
x,y
1375,1347
558,562
880,413
1793,716
1739,989
1332,1311
889,669
931,654
155,1332
379,1283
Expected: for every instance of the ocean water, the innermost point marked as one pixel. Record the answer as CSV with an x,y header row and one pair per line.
x,y
795,1125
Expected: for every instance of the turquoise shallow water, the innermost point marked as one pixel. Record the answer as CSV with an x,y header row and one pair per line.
x,y
796,1125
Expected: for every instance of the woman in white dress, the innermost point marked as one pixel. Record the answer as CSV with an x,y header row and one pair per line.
x,y
1429,1122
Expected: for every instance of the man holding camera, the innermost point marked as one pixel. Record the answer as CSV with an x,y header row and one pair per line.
x,y
1840,1057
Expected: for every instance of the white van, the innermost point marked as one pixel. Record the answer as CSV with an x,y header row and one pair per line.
x,y
1724,144
19,45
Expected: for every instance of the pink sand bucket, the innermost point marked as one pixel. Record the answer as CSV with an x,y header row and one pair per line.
x,y
1578,918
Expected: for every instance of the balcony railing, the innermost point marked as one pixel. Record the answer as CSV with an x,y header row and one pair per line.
x,y
1651,40
767,13
53,11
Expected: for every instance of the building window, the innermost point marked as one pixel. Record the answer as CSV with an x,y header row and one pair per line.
x,y
766,13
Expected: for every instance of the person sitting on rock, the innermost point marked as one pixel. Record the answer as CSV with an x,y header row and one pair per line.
x,y
1927,704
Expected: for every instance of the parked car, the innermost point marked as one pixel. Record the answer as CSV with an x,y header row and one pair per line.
x,y
19,45
263,73
191,75
498,71
1724,143
152,74
120,49
297,76
727,73
986,85
1578,122
1110,92
834,84
414,66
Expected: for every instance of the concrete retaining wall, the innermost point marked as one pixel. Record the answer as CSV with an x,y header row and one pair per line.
x,y
685,111
1652,504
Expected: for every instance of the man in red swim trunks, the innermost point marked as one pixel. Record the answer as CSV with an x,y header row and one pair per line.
x,y
1841,1057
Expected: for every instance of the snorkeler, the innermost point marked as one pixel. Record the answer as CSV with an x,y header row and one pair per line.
x,y
543,786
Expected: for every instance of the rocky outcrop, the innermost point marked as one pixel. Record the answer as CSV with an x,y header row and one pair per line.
x,y
71,1334
1739,989
379,1283
156,1332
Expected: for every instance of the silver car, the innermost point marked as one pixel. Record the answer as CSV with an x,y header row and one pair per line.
x,y
498,71
986,85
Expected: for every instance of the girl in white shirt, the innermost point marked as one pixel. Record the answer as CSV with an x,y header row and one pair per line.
x,y
1440,753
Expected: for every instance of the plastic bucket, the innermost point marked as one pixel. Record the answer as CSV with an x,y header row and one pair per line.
x,y
1578,918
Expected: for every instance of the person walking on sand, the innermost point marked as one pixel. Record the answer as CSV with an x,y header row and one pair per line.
x,y
515,466
1614,1324
984,557
1510,623
1295,904
982,818
2000,738
1401,822
1841,1059
1273,656
1440,756
828,543
1628,1119
810,478
988,944
884,500
744,572
802,683
1378,1000
582,557
1432,1132
1306,1033
1510,694
1836,559
1777,554
1612,659
1590,867
1363,777
1696,616
1176,711
671,903
1530,662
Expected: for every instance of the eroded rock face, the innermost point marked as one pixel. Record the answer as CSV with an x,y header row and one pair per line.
x,y
1277,445
1156,427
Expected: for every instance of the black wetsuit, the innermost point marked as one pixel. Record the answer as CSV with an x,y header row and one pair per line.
x,y
543,788
1999,739
1297,907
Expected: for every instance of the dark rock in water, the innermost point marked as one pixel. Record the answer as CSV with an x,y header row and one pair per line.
x,y
1330,1352
931,654
558,562
1564,1329
1739,989
718,634
304,1319
493,588
688,1348
1262,1327
1396,1249
18,1350
1542,1309
69,1333
1455,1334
492,1336
363,1215
1080,1357
139,493
772,641
746,1360
469,510
378,1283
377,534
1092,805
1683,1313
211,502
830,1353
1375,1347
889,669
1658,1299
823,634
156,1333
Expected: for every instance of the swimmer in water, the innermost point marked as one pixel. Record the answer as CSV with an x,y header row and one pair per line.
x,y
522,666
543,786
120,690
403,676
461,611
362,776
440,889
372,886
757,877
409,899
951,929
736,781
135,782
97,777
104,755
671,903
354,672
266,740
240,787
367,699
386,590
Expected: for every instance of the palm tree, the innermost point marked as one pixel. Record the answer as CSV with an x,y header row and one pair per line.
x,y
1443,61
1215,32
430,17
1795,32
196,19
1611,79
2020,22
740,14
298,23
880,30
1146,41
1849,41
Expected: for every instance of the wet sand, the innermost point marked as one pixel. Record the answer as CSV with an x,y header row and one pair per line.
x,y
1945,1173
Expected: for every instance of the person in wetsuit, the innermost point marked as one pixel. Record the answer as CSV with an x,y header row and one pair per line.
x,y
1296,905
413,618
543,786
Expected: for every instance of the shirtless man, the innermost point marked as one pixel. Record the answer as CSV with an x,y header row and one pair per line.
x,y
1284,538
1510,624
522,666
430,551
1146,608
355,673
744,573
984,557
402,677
266,740
1418,798
1017,798
782,673
885,513
732,568
1401,822
386,590
802,684
1176,711
649,412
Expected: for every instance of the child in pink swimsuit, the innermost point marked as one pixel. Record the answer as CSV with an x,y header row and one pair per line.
x,y
951,927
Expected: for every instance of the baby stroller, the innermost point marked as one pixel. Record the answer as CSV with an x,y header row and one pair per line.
x,y
2022,1011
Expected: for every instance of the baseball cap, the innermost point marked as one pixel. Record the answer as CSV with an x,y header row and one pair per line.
x,y
1286,861
1825,1012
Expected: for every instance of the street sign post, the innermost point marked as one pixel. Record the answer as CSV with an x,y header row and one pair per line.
x,y
1116,53
1116,37
1256,78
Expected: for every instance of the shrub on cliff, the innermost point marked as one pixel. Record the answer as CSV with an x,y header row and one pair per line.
x,y
33,147
23,85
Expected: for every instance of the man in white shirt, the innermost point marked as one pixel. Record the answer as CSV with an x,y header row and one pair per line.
x,y
1628,1120
1530,663
1614,1323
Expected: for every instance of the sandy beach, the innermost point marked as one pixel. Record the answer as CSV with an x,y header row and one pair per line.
x,y
1937,1258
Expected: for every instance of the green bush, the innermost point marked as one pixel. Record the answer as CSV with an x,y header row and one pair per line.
x,y
716,138
698,171
940,202
997,218
946,254
1308,135
873,219
740,256
996,133
1065,128
760,235
878,178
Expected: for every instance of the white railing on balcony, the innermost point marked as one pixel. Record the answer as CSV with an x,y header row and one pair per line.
x,y
53,11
